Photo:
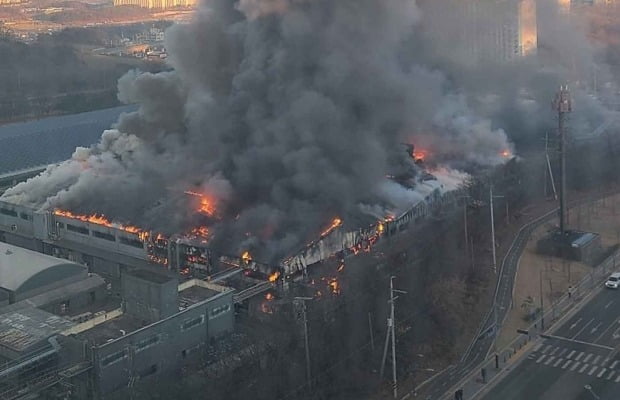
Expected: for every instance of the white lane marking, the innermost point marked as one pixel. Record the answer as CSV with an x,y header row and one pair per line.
x,y
571,354
555,350
547,347
608,304
605,361
559,360
589,356
562,352
601,373
617,378
584,367
575,324
541,358
575,365
592,370
566,364
582,329
551,358
613,365
538,346
596,359
596,327
611,373
581,354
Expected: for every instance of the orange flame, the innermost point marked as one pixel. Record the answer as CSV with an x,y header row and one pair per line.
x,y
380,227
269,296
419,155
207,204
506,153
100,219
246,257
274,277
335,224
334,286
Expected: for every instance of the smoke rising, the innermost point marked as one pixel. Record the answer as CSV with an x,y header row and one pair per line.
x,y
288,113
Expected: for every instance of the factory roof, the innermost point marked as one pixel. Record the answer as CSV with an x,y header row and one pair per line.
x,y
25,269
50,140
21,330
112,329
92,282
150,276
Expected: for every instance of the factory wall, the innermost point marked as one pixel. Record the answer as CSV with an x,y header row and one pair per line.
x,y
162,347
147,300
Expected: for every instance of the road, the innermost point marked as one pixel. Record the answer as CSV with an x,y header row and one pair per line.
x,y
580,352
480,347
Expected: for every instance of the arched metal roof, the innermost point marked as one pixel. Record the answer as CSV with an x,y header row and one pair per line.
x,y
22,269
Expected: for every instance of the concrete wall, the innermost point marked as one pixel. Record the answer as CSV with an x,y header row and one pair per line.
x,y
161,348
147,300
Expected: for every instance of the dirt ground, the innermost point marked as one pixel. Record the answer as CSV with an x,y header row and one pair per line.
x,y
554,275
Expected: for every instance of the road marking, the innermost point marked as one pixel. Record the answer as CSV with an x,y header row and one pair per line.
x,y
551,358
581,353
584,327
571,354
555,350
575,365
562,352
610,375
600,346
617,320
567,364
617,378
596,359
592,370
613,365
589,356
575,324
538,346
558,362
596,328
608,304
583,368
601,373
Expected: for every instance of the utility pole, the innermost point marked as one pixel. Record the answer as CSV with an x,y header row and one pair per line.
x,y
301,301
372,337
542,304
563,105
391,332
492,229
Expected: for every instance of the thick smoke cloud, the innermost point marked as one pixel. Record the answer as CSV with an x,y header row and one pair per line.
x,y
287,113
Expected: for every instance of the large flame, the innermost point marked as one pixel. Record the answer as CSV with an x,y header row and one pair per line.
x,y
206,204
246,257
335,224
274,277
420,154
100,219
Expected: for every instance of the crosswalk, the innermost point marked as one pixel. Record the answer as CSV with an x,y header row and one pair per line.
x,y
589,363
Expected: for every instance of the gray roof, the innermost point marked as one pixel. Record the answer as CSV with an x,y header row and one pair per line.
x,y
50,140
23,329
18,266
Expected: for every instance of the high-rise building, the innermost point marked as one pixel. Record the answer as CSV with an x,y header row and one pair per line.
x,y
484,30
162,4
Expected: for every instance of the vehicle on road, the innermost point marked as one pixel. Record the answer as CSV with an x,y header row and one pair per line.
x,y
613,282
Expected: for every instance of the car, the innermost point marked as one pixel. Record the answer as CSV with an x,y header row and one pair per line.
x,y
613,282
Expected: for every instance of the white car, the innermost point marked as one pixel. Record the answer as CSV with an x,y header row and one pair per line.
x,y
613,282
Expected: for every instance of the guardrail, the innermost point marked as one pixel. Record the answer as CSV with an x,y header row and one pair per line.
x,y
543,323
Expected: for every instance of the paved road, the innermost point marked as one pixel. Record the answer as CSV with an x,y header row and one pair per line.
x,y
503,295
579,353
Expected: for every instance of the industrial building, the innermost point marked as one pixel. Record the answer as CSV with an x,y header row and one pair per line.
x,y
97,343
